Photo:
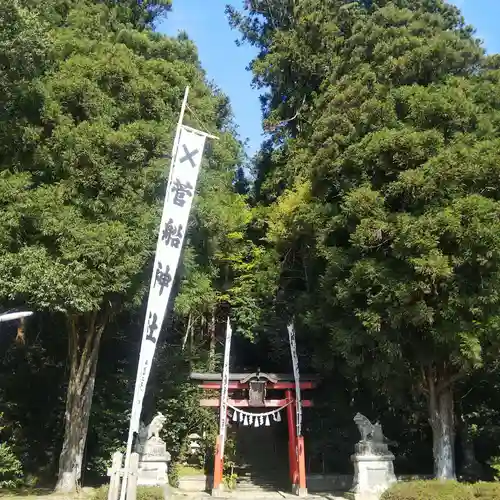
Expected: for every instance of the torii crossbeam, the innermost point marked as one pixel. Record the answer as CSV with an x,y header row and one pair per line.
x,y
248,390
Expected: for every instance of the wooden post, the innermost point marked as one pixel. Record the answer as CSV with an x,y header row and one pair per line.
x,y
218,467
302,489
114,473
292,438
132,477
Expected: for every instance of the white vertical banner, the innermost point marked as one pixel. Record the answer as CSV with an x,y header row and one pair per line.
x,y
296,376
224,393
174,221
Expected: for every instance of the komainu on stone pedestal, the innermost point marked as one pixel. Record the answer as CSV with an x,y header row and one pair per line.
x,y
373,462
153,454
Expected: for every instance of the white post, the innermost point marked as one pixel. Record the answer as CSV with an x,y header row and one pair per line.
x,y
130,439
15,315
128,452
115,473
134,471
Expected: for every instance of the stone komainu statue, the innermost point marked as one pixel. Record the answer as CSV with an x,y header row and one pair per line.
x,y
365,427
371,432
146,432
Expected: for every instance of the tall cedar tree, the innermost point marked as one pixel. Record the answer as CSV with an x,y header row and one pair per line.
x,y
89,106
382,181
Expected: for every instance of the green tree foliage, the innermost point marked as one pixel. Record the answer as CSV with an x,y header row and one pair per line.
x,y
25,48
374,221
92,98
441,491
11,472
381,181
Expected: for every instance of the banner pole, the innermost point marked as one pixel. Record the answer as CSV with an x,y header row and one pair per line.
x,y
225,387
296,376
176,139
221,438
130,438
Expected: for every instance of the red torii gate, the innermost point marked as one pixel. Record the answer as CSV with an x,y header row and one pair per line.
x,y
251,392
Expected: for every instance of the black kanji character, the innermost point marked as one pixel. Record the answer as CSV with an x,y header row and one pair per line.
x,y
152,327
189,155
181,190
172,234
163,278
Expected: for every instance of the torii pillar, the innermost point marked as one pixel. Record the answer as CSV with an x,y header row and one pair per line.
x,y
242,382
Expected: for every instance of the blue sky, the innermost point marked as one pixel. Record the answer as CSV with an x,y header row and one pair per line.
x,y
225,63
484,16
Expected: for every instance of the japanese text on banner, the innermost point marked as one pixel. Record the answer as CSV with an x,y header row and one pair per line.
x,y
174,221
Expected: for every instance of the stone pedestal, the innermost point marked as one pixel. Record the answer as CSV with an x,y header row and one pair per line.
x,y
373,471
153,463
300,492
219,492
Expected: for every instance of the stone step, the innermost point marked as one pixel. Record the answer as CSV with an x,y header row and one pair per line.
x,y
194,483
267,475
266,495
261,480
260,485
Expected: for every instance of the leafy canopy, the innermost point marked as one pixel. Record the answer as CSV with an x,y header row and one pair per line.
x,y
381,179
82,179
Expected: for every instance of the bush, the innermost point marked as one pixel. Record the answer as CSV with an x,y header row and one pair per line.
x,y
429,490
173,474
494,463
143,493
436,490
11,472
486,491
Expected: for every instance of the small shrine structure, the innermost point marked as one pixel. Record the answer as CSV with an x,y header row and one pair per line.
x,y
254,399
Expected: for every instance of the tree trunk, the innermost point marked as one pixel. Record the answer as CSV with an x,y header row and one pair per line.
x,y
83,347
441,418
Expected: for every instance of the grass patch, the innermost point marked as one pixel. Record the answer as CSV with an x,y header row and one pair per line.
x,y
437,490
25,492
143,493
44,493
189,470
